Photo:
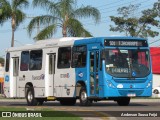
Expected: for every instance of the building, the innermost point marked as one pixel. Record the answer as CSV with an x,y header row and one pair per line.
x,y
155,56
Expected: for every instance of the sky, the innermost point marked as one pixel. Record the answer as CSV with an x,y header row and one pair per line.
x,y
106,7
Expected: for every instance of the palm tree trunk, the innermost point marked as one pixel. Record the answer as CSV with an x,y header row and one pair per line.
x,y
64,30
12,41
13,29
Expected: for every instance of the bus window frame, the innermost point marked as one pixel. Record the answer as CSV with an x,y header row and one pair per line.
x,y
7,64
65,66
74,66
27,63
34,64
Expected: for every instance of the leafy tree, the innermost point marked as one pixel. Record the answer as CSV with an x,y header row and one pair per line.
x,y
156,7
2,61
63,14
134,26
12,11
0,9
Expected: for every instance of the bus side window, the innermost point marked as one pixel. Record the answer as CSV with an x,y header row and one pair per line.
x,y
7,62
35,60
24,60
79,55
64,57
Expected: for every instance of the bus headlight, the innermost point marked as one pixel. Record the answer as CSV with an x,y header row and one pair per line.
x,y
149,84
110,84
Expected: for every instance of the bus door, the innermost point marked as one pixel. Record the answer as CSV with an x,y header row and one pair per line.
x,y
94,68
52,64
15,76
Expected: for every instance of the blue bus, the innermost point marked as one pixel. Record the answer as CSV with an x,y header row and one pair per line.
x,y
88,69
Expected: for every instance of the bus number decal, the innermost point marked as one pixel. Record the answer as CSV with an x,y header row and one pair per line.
x,y
64,75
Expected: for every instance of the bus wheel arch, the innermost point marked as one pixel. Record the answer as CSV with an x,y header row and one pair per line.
x,y
79,84
84,100
29,94
29,84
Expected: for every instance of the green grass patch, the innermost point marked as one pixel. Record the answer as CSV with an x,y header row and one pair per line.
x,y
53,115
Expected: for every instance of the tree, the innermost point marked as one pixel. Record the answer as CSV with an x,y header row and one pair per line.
x,y
156,7
134,26
2,61
13,11
63,14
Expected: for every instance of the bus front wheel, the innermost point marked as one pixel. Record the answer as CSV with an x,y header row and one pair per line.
x,y
84,101
124,101
31,101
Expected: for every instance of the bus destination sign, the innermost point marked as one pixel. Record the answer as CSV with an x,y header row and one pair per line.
x,y
123,43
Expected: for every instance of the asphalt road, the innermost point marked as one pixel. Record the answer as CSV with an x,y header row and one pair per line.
x,y
103,109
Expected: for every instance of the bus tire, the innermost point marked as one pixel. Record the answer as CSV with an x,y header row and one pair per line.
x,y
68,101
84,101
31,101
123,101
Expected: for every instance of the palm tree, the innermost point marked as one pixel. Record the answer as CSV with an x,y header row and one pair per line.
x,y
63,14
12,11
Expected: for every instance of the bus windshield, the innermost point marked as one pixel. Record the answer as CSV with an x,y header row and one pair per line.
x,y
131,63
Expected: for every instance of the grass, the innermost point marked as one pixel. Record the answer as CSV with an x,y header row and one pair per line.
x,y
57,115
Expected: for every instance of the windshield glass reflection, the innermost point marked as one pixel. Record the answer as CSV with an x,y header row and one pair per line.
x,y
127,63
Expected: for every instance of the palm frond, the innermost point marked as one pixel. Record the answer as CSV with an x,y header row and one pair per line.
x,y
40,20
6,11
20,17
41,3
46,32
48,5
76,29
66,7
87,11
20,4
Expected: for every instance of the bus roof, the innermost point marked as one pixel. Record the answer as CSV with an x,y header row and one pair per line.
x,y
67,41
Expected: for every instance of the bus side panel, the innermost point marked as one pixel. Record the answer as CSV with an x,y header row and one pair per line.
x,y
65,82
7,85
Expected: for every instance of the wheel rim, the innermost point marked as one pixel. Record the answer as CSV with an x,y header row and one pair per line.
x,y
83,96
30,96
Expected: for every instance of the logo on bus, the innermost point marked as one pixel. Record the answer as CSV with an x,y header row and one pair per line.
x,y
80,74
7,78
64,75
41,77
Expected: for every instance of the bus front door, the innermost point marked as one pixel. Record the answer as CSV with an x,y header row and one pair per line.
x,y
15,64
94,67
52,62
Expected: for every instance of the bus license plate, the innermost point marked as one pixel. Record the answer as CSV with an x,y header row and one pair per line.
x,y
131,95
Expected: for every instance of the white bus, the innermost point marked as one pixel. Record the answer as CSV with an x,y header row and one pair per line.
x,y
67,69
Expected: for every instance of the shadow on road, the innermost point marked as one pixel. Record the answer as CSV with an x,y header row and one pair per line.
x,y
98,104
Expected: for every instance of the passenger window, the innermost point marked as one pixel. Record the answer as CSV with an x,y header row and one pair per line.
x,y
79,55
35,60
64,57
24,60
7,62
